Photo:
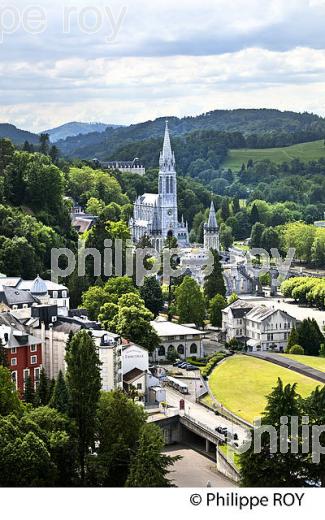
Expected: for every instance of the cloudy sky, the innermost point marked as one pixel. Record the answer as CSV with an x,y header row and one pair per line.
x,y
125,61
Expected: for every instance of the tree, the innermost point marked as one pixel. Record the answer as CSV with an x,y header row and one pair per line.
x,y
190,305
254,216
314,407
119,422
60,398
256,234
293,339
226,237
9,400
152,295
216,305
84,384
133,322
149,467
214,283
310,337
263,468
232,298
296,349
44,140
29,391
42,391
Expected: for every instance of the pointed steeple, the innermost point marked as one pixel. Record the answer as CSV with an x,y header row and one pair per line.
x,y
167,157
212,222
167,149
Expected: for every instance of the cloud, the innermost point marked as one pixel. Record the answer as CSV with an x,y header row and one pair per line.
x,y
167,57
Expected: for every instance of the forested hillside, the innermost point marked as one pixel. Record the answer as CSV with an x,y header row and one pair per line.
x,y
16,135
258,128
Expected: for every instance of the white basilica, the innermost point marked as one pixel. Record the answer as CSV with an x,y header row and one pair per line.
x,y
156,215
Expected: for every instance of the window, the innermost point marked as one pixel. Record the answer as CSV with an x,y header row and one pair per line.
x,y
26,374
13,362
33,360
64,294
37,374
55,294
14,378
25,306
15,307
14,350
33,348
180,349
171,348
161,351
193,349
139,386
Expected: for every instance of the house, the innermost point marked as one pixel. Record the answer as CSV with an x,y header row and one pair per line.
x,y
134,166
24,351
185,341
36,291
233,322
257,326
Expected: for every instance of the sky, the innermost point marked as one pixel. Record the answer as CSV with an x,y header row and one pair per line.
x,y
127,61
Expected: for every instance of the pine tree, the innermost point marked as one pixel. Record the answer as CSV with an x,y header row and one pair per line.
x,y
60,398
149,467
293,339
255,216
29,392
214,283
42,392
310,337
84,384
261,468
216,305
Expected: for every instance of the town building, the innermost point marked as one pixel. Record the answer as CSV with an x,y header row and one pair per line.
x,y
36,291
185,341
258,327
134,166
24,351
156,215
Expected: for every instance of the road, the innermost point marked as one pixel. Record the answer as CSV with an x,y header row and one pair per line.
x,y
195,470
203,415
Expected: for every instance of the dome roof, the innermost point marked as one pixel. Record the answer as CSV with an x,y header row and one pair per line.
x,y
39,287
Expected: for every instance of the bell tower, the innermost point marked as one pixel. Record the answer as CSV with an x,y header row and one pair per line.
x,y
167,188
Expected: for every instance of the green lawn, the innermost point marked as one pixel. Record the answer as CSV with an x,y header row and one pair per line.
x,y
241,384
311,361
305,152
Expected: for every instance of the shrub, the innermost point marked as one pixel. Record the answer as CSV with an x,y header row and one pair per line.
x,y
214,360
297,349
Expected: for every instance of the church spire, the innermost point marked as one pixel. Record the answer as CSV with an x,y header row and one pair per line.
x,y
167,149
212,222
167,157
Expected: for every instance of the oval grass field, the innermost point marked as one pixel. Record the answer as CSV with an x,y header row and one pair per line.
x,y
241,384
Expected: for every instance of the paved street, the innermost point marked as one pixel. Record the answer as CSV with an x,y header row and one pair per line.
x,y
203,415
195,470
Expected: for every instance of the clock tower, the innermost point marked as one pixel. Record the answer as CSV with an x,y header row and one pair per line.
x,y
167,188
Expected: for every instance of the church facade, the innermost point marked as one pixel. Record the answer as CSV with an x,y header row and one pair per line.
x,y
156,215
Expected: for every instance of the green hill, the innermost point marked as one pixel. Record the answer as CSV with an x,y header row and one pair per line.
x,y
305,152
